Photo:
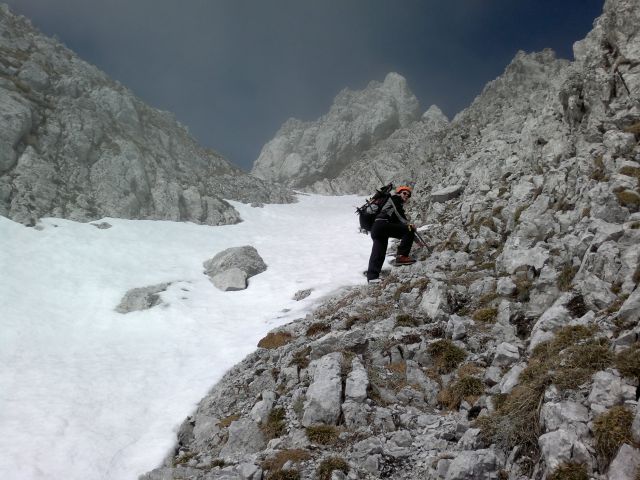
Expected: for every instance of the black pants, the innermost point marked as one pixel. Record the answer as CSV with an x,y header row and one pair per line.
x,y
380,233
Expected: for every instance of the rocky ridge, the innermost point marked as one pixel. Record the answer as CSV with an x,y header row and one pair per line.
x,y
304,153
75,144
511,349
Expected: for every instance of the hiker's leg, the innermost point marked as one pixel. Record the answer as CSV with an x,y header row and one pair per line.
x,y
406,242
405,235
378,252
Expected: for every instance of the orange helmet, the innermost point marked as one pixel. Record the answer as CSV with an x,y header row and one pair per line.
x,y
404,188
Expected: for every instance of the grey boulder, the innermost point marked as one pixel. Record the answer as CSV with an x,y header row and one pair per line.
x,y
323,395
626,464
230,269
230,280
470,465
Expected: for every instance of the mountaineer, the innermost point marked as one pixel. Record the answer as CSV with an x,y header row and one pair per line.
x,y
391,221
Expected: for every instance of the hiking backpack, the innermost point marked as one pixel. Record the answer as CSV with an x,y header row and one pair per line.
x,y
367,213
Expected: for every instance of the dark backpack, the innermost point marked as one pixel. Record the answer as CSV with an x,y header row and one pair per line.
x,y
367,213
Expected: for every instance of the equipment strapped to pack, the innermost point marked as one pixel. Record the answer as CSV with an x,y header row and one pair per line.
x,y
367,213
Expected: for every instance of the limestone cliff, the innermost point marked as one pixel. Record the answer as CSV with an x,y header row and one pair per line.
x,y
304,153
76,144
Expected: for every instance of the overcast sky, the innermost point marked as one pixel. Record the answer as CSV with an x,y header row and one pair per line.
x,y
234,70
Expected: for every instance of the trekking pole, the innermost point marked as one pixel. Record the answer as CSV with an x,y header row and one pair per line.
x,y
420,239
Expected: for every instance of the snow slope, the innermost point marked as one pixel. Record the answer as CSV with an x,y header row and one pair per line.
x,y
88,393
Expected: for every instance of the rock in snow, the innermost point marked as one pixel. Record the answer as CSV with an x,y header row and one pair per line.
x,y
230,269
141,298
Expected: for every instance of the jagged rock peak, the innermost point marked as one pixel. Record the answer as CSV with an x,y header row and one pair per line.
x,y
615,30
434,118
306,152
78,145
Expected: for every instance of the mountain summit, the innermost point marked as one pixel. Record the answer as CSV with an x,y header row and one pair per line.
x,y
303,153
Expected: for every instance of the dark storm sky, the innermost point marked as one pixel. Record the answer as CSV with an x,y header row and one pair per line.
x,y
234,70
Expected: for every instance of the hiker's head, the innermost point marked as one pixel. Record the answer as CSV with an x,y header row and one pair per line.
x,y
404,192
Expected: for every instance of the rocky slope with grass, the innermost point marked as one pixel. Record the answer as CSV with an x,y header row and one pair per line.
x,y
511,349
76,144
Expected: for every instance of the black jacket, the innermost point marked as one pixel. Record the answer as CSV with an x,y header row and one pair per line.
x,y
393,215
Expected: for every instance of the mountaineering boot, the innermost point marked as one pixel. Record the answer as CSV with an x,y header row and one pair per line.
x,y
374,280
404,260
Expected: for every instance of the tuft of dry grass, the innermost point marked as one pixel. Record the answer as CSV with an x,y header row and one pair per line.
x,y
322,434
570,471
317,328
611,430
464,388
516,421
487,298
630,171
565,337
183,458
225,422
566,277
628,362
396,378
446,355
405,320
485,315
275,425
287,474
275,340
634,128
410,339
329,465
523,290
567,361
579,362
277,461
518,213
599,172
629,199
300,358
571,357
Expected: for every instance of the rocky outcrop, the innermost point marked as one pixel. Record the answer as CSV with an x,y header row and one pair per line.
x,y
509,350
395,159
302,154
230,269
75,144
